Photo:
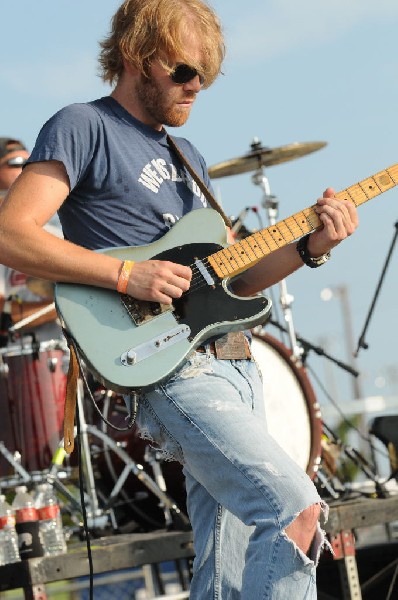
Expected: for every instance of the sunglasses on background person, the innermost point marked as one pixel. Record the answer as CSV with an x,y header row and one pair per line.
x,y
17,161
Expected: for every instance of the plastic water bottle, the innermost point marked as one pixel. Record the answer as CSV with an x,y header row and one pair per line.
x,y
9,552
27,524
50,521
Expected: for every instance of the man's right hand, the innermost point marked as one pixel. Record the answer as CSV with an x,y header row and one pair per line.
x,y
158,281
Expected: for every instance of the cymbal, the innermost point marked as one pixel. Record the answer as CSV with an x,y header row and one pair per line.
x,y
40,287
261,156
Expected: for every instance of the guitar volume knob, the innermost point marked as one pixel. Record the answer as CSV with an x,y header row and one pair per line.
x,y
129,358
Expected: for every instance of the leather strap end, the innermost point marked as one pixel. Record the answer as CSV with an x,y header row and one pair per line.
x,y
70,401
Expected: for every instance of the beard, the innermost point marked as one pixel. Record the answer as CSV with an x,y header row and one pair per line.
x,y
159,105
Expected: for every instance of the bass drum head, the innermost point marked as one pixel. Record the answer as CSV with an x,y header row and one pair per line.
x,y
293,414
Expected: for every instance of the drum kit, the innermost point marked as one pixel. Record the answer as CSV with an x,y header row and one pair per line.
x,y
128,486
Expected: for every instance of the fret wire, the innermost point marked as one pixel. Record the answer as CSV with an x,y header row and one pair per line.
x,y
308,213
357,193
379,189
276,238
343,193
262,243
250,250
395,167
218,263
300,225
235,249
297,231
364,189
254,246
293,237
268,240
285,232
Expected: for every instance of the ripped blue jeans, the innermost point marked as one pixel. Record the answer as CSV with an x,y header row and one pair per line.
x,y
243,490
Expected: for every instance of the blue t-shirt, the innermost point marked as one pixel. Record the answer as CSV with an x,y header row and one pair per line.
x,y
127,186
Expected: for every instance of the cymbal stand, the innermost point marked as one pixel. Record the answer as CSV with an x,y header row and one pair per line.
x,y
270,204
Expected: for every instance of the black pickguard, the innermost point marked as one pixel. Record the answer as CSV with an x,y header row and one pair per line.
x,y
211,307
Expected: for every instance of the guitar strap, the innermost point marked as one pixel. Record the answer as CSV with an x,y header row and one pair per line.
x,y
205,190
70,400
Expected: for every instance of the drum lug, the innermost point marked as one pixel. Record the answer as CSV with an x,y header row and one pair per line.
x,y
52,364
4,369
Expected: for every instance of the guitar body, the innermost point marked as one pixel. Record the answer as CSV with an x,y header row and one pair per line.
x,y
136,348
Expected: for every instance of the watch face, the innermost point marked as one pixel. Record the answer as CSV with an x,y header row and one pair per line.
x,y
320,260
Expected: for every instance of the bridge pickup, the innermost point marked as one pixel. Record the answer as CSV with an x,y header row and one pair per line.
x,y
134,355
142,311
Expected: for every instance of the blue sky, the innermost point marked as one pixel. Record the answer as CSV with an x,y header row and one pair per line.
x,y
295,72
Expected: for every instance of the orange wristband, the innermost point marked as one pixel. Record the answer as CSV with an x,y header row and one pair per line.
x,y
124,276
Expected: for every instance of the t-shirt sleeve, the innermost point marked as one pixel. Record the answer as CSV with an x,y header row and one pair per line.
x,y
70,136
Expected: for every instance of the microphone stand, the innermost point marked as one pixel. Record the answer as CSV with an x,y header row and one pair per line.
x,y
361,341
306,345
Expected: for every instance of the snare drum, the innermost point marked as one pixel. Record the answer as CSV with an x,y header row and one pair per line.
x,y
293,414
32,396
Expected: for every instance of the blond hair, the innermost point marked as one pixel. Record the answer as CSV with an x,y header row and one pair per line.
x,y
146,30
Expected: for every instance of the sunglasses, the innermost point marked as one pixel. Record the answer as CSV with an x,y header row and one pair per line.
x,y
17,161
183,73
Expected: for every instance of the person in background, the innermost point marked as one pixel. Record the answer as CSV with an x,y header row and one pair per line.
x,y
108,168
26,296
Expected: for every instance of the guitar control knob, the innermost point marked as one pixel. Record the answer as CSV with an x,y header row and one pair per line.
x,y
131,357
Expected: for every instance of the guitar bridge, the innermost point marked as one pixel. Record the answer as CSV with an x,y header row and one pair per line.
x,y
142,311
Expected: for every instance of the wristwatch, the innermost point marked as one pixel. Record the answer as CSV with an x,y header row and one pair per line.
x,y
311,261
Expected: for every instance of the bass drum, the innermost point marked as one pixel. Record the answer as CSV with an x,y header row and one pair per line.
x,y
293,419
293,414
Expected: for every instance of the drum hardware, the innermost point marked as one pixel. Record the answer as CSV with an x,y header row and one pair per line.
x,y
153,458
39,313
103,508
325,485
359,461
5,322
238,229
14,460
307,346
4,369
270,204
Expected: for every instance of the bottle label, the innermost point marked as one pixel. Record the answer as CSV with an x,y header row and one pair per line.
x,y
28,513
29,541
7,521
48,512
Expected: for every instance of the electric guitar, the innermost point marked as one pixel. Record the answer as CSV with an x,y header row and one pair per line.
x,y
130,344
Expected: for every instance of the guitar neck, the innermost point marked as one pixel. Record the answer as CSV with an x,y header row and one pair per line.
x,y
242,255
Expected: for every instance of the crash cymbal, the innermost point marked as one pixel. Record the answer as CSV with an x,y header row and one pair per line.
x,y
40,287
261,156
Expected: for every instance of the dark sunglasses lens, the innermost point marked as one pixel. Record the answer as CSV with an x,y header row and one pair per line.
x,y
185,73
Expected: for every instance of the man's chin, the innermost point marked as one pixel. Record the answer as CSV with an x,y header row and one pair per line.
x,y
177,118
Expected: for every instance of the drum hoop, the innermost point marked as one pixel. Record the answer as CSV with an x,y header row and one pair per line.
x,y
313,408
26,349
